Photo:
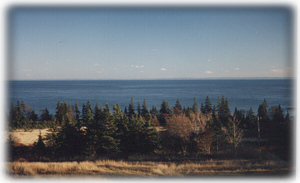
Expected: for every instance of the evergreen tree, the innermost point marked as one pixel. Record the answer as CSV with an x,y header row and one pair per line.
x,y
69,141
144,109
195,106
154,111
207,107
250,120
139,111
131,108
87,114
109,142
164,107
58,112
223,111
202,109
34,117
125,111
45,116
13,116
264,120
177,108
39,148
77,112
19,114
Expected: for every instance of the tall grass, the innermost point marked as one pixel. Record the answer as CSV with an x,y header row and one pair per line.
x,y
123,168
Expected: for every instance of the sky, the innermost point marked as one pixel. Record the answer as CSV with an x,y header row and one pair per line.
x,y
149,43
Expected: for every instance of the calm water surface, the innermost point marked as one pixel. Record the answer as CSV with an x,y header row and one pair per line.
x,y
242,94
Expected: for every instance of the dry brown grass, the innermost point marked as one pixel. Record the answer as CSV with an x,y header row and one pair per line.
x,y
27,138
123,168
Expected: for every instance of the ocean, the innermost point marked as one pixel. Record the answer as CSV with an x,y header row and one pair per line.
x,y
243,94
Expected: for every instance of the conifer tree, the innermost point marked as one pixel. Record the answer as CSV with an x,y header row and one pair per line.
x,y
144,109
164,107
45,116
131,108
202,109
264,120
87,114
77,112
139,111
177,108
39,148
109,142
69,141
12,116
195,106
154,111
250,120
125,111
207,107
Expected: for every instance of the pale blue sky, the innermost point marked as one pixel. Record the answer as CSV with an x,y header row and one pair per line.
x,y
150,43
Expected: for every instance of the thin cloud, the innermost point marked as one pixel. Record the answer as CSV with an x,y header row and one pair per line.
x,y
277,70
163,69
237,69
285,70
209,72
137,66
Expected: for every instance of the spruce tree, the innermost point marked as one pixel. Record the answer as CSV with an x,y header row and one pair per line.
x,y
87,114
250,120
139,111
12,116
144,109
131,108
107,137
164,107
154,111
263,117
195,106
202,109
77,112
207,107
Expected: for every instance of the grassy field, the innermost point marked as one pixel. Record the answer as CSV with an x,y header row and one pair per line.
x,y
111,168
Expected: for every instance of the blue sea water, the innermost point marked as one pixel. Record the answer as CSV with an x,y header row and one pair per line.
x,y
242,94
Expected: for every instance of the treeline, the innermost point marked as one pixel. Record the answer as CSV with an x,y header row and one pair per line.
x,y
96,131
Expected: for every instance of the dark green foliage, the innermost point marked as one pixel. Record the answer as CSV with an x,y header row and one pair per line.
x,y
250,120
87,113
144,109
77,112
240,116
131,108
164,107
207,107
195,106
202,109
39,148
69,141
34,117
45,116
139,111
177,108
264,120
154,111
223,110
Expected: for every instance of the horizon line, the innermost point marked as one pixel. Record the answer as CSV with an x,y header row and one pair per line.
x,y
145,79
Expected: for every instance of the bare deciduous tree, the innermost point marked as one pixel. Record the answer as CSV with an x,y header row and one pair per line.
x,y
234,133
181,127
